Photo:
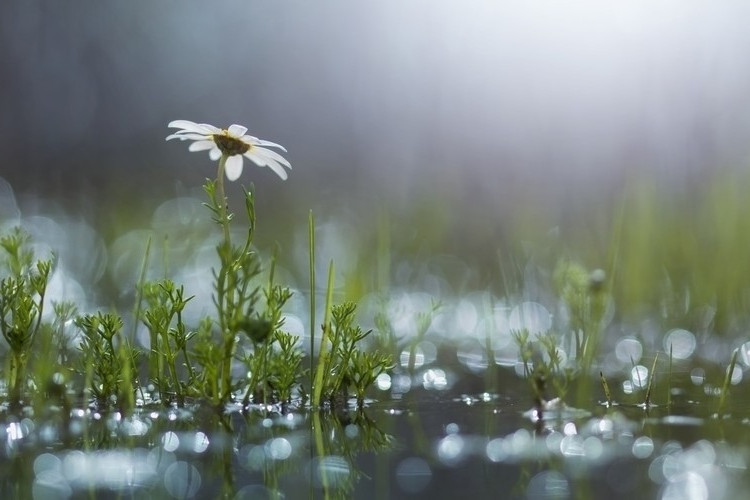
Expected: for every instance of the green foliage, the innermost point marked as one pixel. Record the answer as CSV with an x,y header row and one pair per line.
x,y
22,290
208,355
169,336
285,365
183,361
346,365
365,368
107,362
391,342
586,300
236,295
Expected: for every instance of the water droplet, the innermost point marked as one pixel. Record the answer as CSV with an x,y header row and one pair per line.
x,y
335,469
736,376
255,492
530,316
47,462
686,485
643,447
572,446
182,480
627,349
170,441
593,448
496,450
201,442
383,382
639,376
450,449
548,484
279,448
681,343
413,474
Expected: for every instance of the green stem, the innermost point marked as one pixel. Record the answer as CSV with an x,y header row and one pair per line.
x,y
265,373
311,234
229,345
727,383
188,364
226,262
322,350
222,199
17,375
170,359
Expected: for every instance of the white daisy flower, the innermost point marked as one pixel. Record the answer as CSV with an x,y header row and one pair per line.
x,y
233,143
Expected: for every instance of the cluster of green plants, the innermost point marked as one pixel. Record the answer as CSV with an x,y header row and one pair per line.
x,y
183,362
586,299
670,256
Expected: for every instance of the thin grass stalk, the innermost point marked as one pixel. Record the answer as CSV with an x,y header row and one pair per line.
x,y
652,375
669,380
726,384
311,253
126,398
314,423
152,361
605,387
323,354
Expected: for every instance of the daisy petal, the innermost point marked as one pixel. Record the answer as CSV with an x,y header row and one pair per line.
x,y
271,144
260,142
256,158
267,153
237,130
266,162
198,128
278,169
233,167
202,145
184,136
214,130
214,154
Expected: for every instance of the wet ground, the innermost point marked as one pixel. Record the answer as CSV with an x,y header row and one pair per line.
x,y
424,443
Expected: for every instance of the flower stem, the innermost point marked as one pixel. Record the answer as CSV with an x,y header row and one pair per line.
x,y
225,255
222,199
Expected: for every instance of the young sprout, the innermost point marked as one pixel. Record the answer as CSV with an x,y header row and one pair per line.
x,y
605,387
647,401
727,383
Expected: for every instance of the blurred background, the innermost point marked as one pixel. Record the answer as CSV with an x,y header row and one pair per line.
x,y
426,130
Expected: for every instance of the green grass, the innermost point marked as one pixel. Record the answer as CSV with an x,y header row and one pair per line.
x,y
184,362
674,258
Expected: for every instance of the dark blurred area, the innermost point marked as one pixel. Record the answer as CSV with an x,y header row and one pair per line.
x,y
477,110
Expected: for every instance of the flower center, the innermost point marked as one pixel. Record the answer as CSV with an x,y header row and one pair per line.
x,y
229,145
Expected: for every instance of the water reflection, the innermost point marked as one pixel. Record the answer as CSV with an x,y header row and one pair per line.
x,y
159,453
413,446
